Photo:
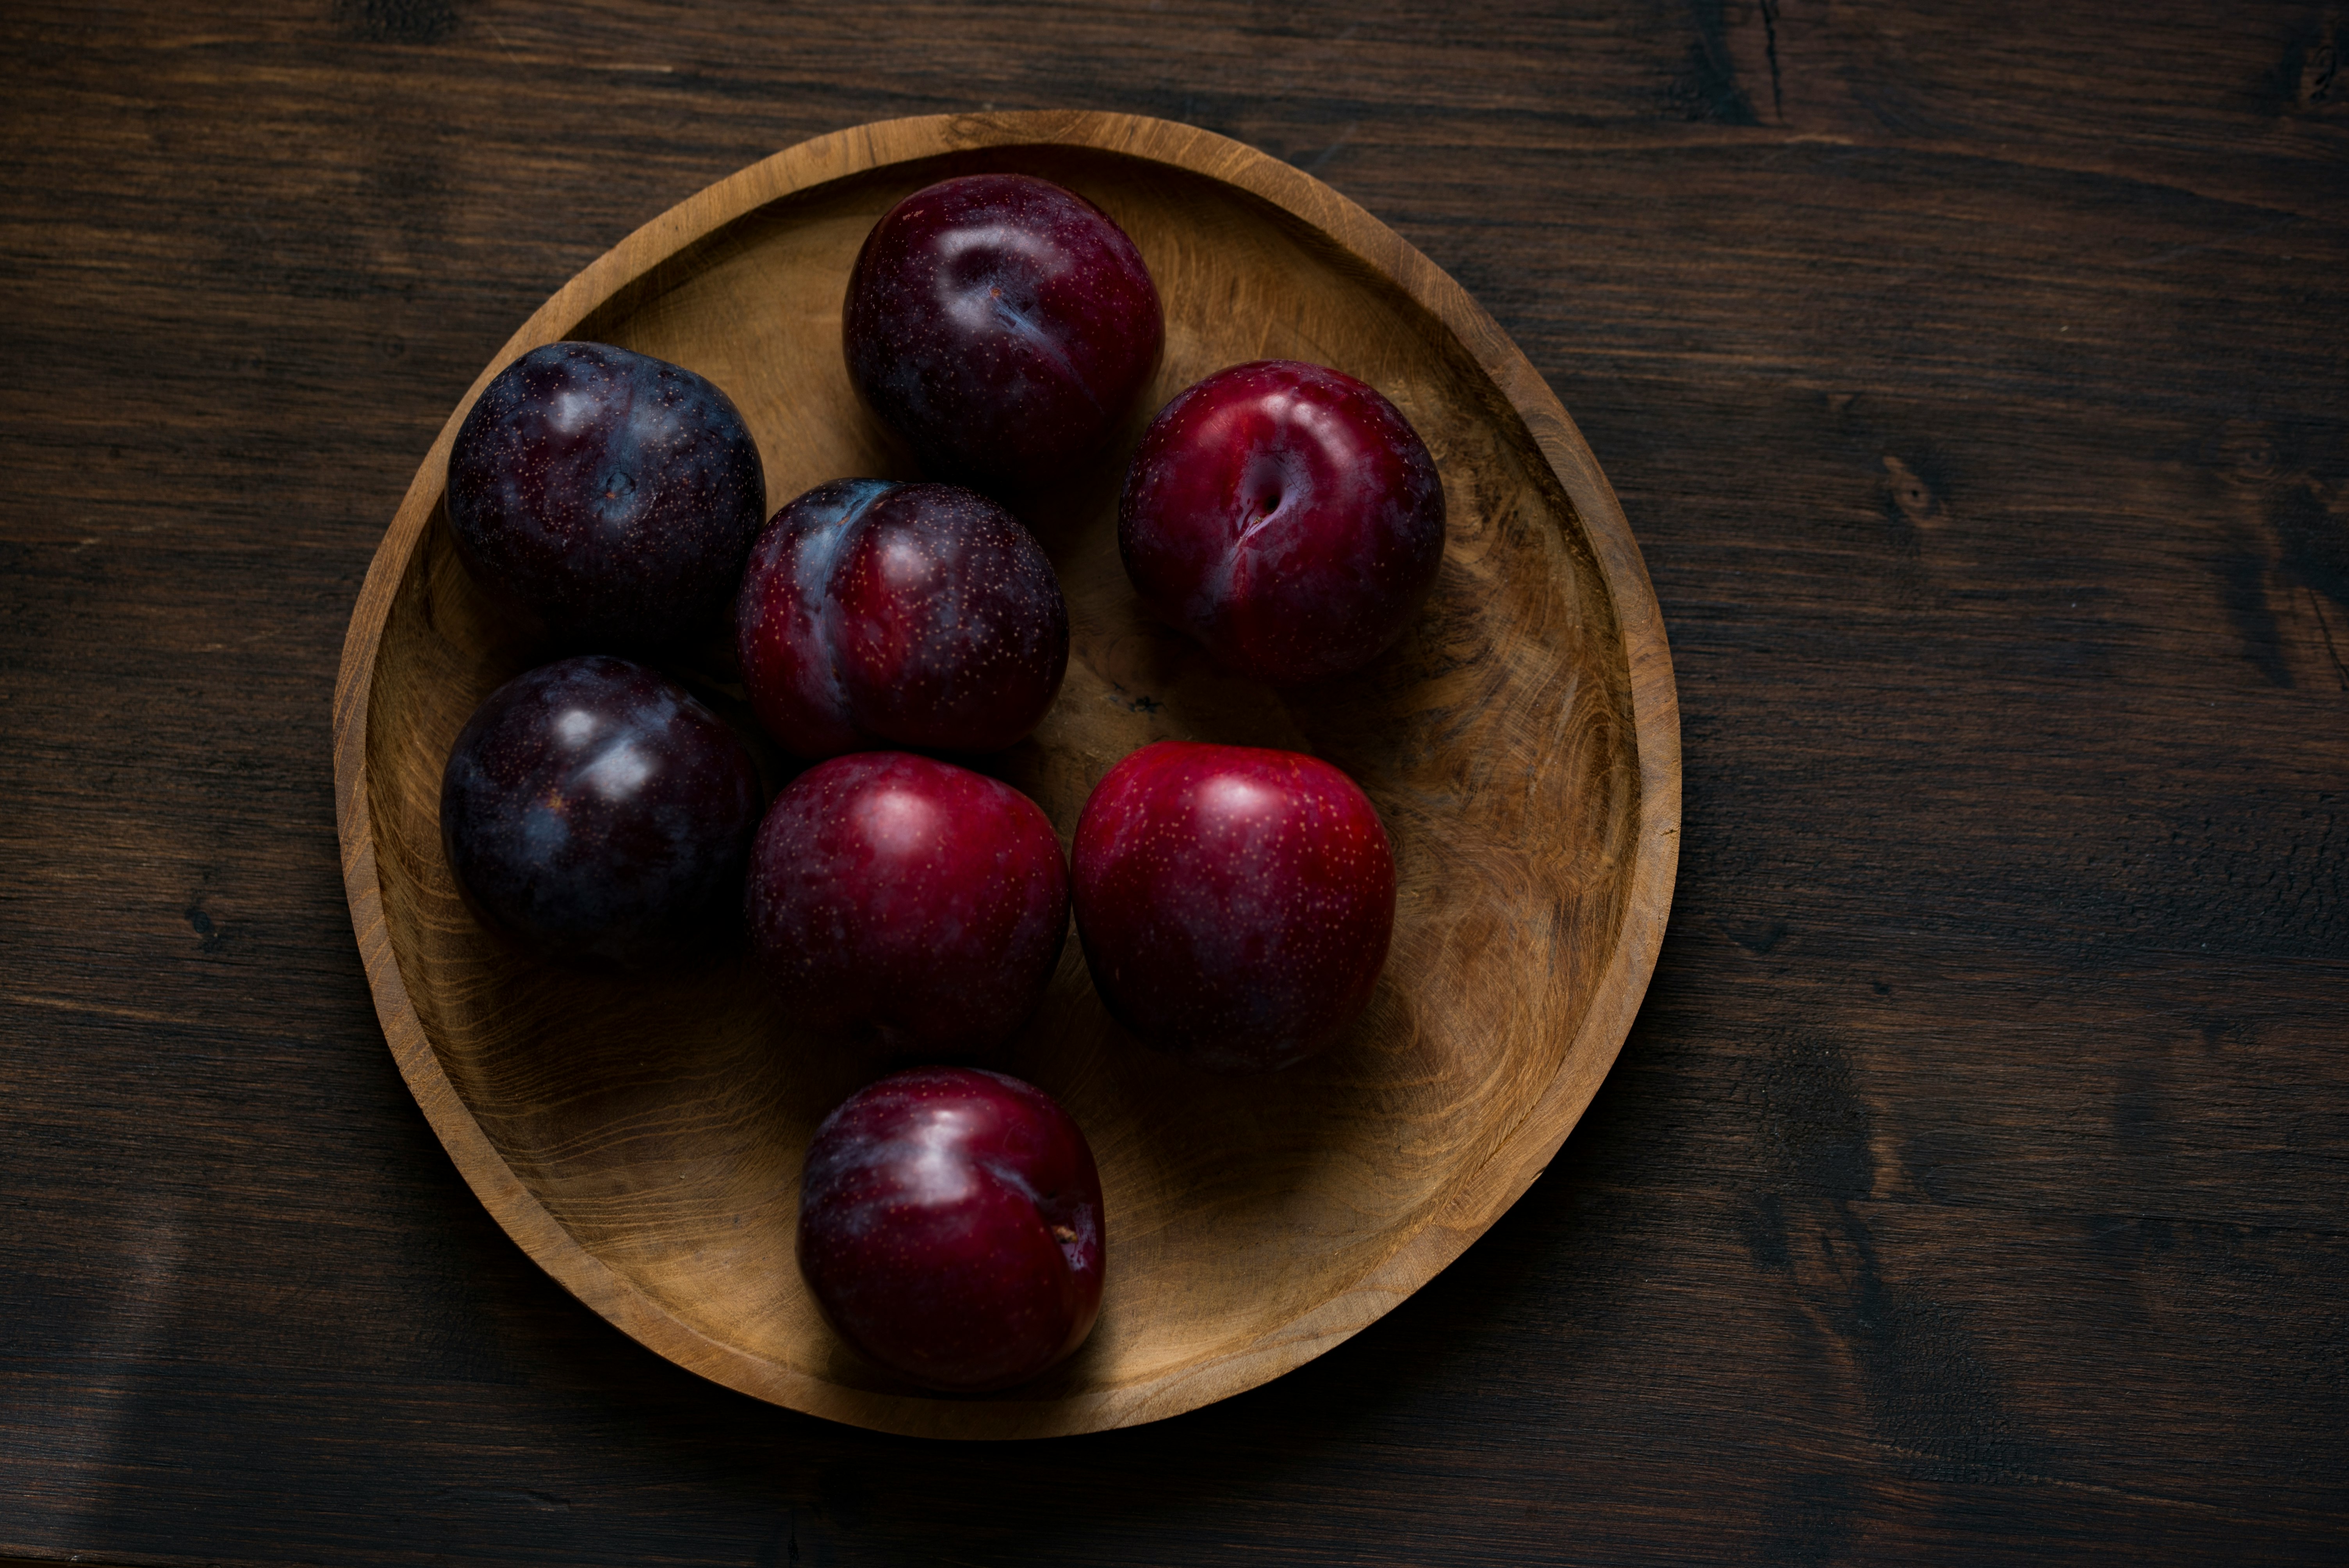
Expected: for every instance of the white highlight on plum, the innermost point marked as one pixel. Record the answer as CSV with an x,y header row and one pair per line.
x,y
939,1171
899,820
618,772
573,412
576,728
905,565
1002,240
1228,797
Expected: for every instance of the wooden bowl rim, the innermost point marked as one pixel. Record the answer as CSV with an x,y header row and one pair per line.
x,y
1481,1198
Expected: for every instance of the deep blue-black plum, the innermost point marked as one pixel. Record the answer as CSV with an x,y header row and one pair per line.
x,y
592,807
1003,325
876,614
613,493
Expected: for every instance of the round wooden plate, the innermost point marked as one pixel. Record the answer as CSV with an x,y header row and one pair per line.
x,y
641,1135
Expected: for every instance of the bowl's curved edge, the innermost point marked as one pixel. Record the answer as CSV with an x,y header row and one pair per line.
x,y
1518,1158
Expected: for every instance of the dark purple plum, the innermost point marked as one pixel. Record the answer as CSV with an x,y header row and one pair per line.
x,y
1286,515
1001,325
613,493
879,615
951,1228
902,899
592,807
1235,902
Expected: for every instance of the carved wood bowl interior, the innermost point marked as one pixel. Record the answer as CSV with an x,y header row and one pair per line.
x,y
640,1135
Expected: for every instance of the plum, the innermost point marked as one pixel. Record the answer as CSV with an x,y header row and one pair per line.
x,y
1000,323
592,807
902,899
951,1228
615,494
1287,516
880,615
1235,903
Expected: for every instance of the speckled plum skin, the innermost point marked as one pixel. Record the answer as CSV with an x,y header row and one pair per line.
x,y
592,807
1235,902
1286,515
878,614
613,493
950,1228
1003,325
903,899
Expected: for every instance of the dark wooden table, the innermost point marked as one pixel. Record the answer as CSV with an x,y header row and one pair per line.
x,y
1972,1187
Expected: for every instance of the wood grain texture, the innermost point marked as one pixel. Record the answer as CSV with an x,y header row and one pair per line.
x,y
641,1135
1970,1187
